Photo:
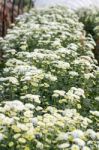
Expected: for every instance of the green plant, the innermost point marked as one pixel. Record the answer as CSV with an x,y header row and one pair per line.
x,y
49,84
90,18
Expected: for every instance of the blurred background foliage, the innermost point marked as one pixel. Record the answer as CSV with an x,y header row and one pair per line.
x,y
90,18
26,2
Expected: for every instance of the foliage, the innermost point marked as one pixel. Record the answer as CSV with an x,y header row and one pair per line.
x,y
24,1
49,84
90,18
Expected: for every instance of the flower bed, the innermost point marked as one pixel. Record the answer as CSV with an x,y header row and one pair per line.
x,y
49,84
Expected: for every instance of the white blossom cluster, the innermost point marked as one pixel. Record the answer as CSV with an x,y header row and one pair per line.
x,y
49,84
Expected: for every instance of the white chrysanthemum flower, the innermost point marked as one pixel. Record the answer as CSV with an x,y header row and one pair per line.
x,y
69,112
8,121
77,91
29,106
73,73
52,57
79,142
86,121
34,121
77,133
39,146
13,80
89,75
61,65
87,58
36,55
14,105
22,140
63,146
50,77
38,108
26,78
31,97
28,114
97,98
23,127
63,51
91,133
22,54
80,92
2,116
97,135
72,96
59,93
51,109
83,62
14,61
75,147
95,113
23,69
62,136
20,69
73,46
86,148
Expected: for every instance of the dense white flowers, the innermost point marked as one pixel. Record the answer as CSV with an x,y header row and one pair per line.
x,y
91,133
63,136
14,105
89,75
29,106
12,80
59,93
73,73
77,133
75,147
86,148
61,65
79,142
95,113
64,145
49,84
31,97
50,77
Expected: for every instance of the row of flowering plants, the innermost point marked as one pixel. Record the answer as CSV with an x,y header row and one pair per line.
x,y
49,84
